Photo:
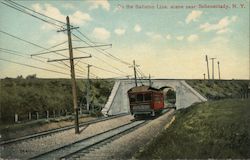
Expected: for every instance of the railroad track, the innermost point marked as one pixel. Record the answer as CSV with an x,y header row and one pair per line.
x,y
52,131
79,148
71,149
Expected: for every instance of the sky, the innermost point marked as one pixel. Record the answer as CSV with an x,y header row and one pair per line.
x,y
167,39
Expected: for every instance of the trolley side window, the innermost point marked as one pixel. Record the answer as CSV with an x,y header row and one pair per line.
x,y
147,97
132,98
139,97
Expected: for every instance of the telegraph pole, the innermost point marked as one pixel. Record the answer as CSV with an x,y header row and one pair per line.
x,y
208,76
213,67
218,68
88,87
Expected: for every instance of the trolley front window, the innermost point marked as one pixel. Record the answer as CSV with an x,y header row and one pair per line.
x,y
147,97
139,97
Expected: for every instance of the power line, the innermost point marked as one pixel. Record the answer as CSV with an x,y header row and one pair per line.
x,y
140,72
102,51
56,45
24,11
29,42
10,1
102,69
105,63
27,56
100,58
49,70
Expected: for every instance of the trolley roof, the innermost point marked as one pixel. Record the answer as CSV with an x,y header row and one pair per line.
x,y
142,89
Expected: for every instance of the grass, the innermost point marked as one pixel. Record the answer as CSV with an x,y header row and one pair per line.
x,y
216,129
220,89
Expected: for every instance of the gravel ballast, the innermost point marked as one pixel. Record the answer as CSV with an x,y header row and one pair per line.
x,y
126,146
30,148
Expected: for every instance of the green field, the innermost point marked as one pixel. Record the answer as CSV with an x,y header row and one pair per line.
x,y
215,129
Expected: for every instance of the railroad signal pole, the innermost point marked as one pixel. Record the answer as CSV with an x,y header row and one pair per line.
x,y
213,67
218,68
88,88
208,76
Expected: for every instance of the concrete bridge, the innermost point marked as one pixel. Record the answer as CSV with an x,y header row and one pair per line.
x,y
118,100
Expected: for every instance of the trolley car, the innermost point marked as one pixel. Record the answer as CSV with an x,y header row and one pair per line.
x,y
145,100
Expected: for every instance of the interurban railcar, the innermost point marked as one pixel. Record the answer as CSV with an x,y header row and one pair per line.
x,y
145,100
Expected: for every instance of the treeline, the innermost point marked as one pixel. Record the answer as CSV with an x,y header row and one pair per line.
x,y
21,96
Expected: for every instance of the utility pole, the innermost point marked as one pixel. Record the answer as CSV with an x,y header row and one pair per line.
x,y
208,76
72,70
213,67
218,68
88,88
204,75
150,82
134,65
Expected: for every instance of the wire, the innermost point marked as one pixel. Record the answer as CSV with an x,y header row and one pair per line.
x,y
27,56
100,58
139,71
49,70
53,46
19,7
23,11
29,42
101,51
10,1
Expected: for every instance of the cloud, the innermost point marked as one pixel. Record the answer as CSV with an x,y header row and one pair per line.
x,y
101,33
193,16
137,28
221,25
192,38
180,38
68,6
99,3
120,31
154,36
57,38
219,40
77,18
225,30
168,37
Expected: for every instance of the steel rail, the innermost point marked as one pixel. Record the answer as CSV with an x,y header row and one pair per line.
x,y
51,131
72,148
